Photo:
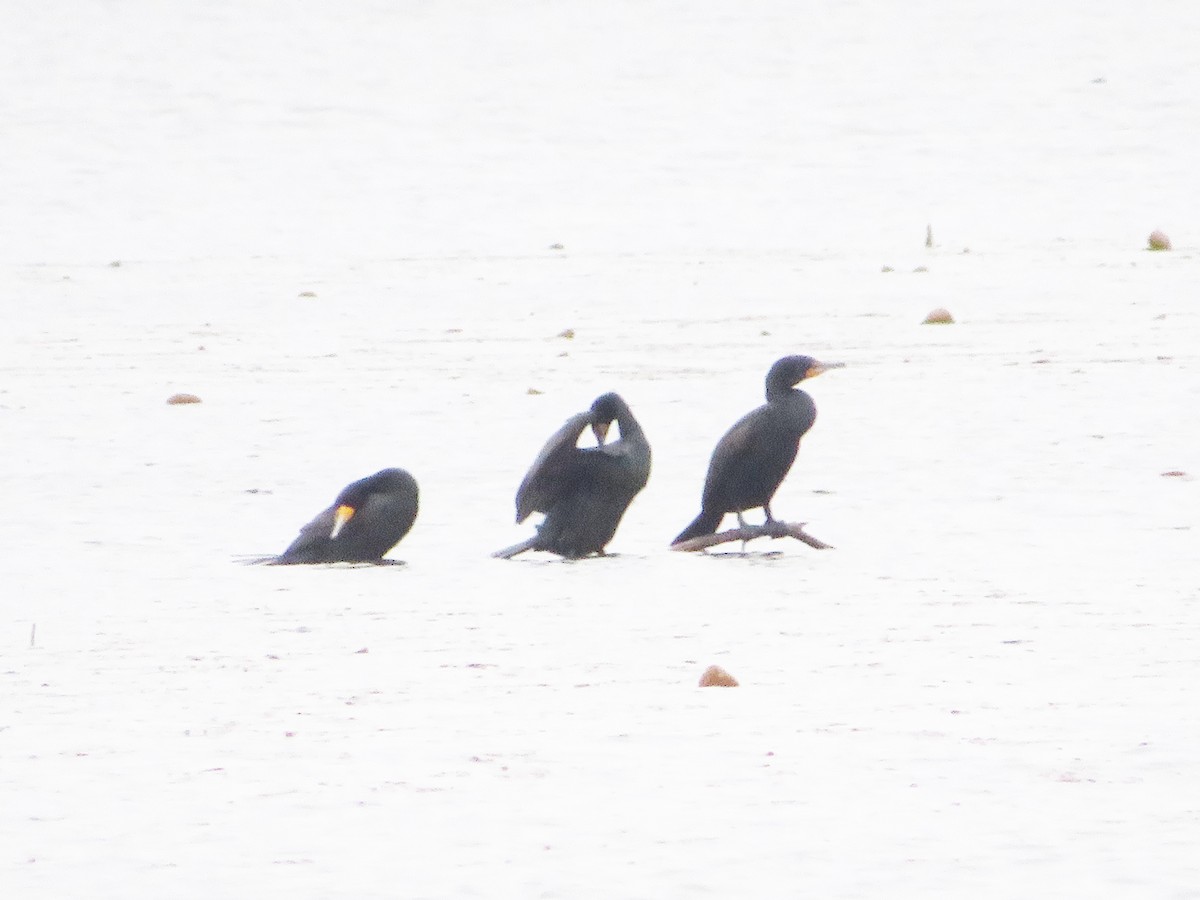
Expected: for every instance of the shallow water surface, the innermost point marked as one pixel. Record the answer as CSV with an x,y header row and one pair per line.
x,y
336,230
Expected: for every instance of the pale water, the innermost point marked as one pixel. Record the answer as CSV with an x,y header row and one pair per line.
x,y
337,225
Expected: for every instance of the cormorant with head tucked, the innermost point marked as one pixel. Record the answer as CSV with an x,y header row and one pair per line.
x,y
366,520
584,491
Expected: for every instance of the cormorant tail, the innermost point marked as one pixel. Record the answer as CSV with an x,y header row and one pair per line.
x,y
705,523
516,549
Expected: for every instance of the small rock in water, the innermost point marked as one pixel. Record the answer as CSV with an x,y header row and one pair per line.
x,y
939,316
176,399
1158,241
715,676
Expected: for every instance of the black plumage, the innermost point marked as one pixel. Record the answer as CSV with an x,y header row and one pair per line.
x,y
366,520
584,491
752,458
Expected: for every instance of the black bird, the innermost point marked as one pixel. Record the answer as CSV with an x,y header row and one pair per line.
x,y
367,519
751,460
583,492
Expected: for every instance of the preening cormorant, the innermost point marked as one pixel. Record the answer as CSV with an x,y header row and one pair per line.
x,y
751,460
366,520
584,492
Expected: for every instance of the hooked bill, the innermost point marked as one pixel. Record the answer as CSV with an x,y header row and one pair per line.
x,y
818,367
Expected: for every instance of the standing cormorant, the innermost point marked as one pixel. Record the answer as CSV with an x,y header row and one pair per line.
x,y
366,520
751,460
583,491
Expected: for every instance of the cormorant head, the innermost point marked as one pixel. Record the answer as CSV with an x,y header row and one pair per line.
x,y
788,372
354,495
603,413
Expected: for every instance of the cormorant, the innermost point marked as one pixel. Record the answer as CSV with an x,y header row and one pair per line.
x,y
366,520
583,492
751,460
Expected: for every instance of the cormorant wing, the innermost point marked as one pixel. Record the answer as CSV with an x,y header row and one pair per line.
x,y
313,538
379,523
731,449
545,477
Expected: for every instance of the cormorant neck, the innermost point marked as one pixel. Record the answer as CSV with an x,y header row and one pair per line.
x,y
626,422
779,390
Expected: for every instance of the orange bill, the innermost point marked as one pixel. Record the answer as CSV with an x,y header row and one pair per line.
x,y
340,518
818,367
